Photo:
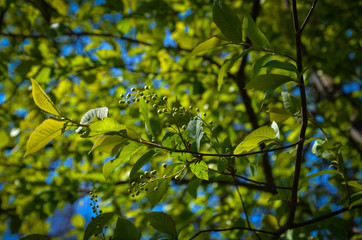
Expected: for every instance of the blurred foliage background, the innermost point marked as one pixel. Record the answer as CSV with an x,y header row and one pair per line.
x,y
86,53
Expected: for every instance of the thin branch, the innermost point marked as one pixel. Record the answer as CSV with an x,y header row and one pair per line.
x,y
139,140
308,16
230,229
326,216
248,179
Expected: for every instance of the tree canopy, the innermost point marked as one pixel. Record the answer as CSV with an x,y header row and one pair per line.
x,y
195,119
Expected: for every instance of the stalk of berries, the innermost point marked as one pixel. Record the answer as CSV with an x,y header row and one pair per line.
x,y
98,212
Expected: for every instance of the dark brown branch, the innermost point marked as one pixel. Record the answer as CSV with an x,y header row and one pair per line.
x,y
326,216
230,229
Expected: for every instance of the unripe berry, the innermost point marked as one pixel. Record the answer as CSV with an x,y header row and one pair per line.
x,y
154,105
156,188
164,165
190,107
128,95
146,87
133,89
177,177
164,98
121,96
184,127
211,122
153,172
168,125
197,109
205,114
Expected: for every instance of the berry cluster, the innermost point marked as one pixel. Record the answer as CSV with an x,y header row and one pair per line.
x,y
98,212
149,178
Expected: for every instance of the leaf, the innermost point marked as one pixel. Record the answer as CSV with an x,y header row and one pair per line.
x,y
255,138
281,65
42,100
78,221
209,44
292,105
200,170
192,186
227,21
268,82
124,156
140,162
195,131
162,222
270,223
44,133
101,219
252,31
228,64
106,125
35,237
259,64
143,108
319,150
91,114
278,115
108,144
126,230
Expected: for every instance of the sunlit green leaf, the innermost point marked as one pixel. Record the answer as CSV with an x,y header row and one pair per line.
x,y
44,133
258,65
106,125
108,144
268,82
255,138
195,131
99,113
143,108
42,100
123,157
278,115
209,44
200,170
270,222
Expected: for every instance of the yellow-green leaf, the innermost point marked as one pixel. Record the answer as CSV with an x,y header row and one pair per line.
x,y
42,100
44,133
255,138
108,144
200,170
106,125
209,44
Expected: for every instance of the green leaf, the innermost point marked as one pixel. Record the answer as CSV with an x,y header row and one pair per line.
x,y
124,156
292,105
200,170
209,44
355,184
99,113
140,162
126,230
106,125
228,64
252,31
268,82
257,67
44,133
278,115
101,219
319,150
108,144
78,221
143,108
35,237
162,222
192,186
227,21
43,75
195,131
255,138
42,100
281,65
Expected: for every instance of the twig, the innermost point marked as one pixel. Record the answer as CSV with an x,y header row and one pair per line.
x,y
230,229
308,16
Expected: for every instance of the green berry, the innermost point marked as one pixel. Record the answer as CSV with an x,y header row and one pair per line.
x,y
133,89
146,87
184,127
128,102
205,114
197,109
154,105
121,96
177,177
156,188
128,95
153,172
211,122
164,165
168,125
190,107
164,98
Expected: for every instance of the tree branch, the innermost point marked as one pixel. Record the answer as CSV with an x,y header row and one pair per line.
x,y
308,16
230,229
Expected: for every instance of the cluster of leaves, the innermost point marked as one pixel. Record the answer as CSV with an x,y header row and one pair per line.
x,y
187,132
